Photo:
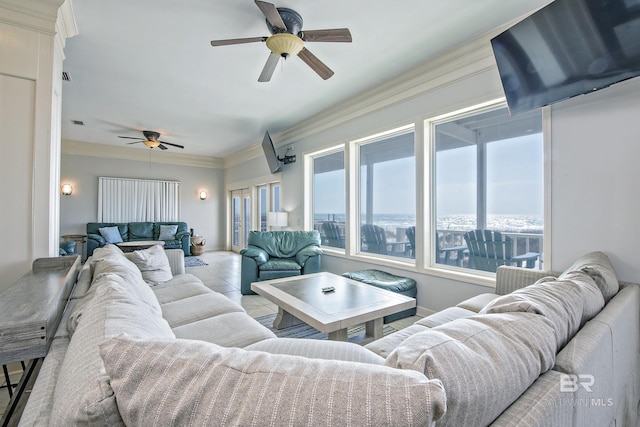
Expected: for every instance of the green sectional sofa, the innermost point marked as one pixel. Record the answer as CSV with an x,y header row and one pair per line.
x,y
140,231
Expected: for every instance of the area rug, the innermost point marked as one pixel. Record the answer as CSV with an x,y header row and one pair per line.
x,y
193,261
306,331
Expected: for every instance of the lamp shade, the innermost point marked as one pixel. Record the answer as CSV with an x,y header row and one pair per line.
x,y
66,189
277,219
284,44
153,143
203,195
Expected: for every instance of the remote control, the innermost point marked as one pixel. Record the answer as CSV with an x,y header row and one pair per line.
x,y
328,289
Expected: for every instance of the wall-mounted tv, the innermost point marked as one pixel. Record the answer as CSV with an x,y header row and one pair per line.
x,y
270,153
568,48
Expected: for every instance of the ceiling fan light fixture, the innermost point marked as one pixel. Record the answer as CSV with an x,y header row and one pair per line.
x,y
285,44
151,143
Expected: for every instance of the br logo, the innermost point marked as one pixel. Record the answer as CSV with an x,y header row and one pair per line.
x,y
570,383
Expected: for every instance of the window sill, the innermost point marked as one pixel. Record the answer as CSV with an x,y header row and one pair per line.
x,y
463,275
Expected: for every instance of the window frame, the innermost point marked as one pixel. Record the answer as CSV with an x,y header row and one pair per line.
x,y
355,185
425,196
309,175
429,236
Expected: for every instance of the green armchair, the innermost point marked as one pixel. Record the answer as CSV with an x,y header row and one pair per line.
x,y
276,254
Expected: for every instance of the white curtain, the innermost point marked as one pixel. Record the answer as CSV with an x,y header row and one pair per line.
x,y
130,200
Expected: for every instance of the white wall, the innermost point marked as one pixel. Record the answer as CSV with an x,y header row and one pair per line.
x,y
595,176
82,172
595,151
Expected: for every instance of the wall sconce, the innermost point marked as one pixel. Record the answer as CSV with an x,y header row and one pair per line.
x,y
277,219
203,195
66,189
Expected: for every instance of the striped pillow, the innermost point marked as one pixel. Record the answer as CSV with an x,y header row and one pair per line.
x,y
184,382
485,362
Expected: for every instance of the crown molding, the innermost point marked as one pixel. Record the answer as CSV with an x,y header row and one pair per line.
x,y
66,26
244,155
89,149
470,58
38,15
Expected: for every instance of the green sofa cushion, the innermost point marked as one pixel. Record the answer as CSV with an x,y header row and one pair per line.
x,y
280,264
382,279
140,231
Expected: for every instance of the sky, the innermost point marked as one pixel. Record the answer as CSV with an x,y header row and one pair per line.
x,y
514,178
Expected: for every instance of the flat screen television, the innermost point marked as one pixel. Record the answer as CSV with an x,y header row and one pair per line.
x,y
568,48
270,153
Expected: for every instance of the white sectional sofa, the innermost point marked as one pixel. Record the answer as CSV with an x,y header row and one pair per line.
x,y
145,344
595,377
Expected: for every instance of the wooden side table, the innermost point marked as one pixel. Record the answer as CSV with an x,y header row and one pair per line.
x,y
30,311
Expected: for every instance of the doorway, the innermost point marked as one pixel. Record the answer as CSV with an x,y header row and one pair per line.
x,y
240,218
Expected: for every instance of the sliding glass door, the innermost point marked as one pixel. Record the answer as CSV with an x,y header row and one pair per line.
x,y
240,218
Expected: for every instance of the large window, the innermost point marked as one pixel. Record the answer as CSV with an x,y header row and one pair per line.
x,y
488,183
473,201
328,184
387,202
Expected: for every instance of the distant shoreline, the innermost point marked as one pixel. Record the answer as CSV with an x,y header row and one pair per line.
x,y
531,224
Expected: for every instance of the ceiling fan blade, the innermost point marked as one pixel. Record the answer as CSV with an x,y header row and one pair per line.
x,y
269,68
316,65
342,35
171,144
135,142
271,13
162,147
237,41
128,137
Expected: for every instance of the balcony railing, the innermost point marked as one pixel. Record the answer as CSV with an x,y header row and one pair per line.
x,y
522,242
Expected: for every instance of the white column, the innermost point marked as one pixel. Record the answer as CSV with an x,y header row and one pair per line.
x,y
32,37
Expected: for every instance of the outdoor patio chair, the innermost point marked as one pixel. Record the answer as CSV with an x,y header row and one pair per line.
x,y
445,254
376,240
333,234
490,249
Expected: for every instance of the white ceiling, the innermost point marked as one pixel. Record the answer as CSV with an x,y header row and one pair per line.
x,y
148,64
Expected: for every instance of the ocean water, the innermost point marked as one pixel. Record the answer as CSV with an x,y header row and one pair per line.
x,y
530,224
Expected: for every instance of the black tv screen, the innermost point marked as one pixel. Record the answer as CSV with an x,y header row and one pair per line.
x,y
270,153
568,48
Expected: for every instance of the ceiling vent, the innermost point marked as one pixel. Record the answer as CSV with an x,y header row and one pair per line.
x,y
66,77
77,122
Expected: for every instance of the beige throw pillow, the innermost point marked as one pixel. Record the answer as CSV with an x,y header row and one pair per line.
x,y
184,382
485,362
83,396
598,266
153,264
568,303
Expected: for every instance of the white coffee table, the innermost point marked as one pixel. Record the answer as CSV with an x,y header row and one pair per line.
x,y
300,300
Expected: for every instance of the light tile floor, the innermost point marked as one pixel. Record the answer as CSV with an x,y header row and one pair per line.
x,y
222,274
